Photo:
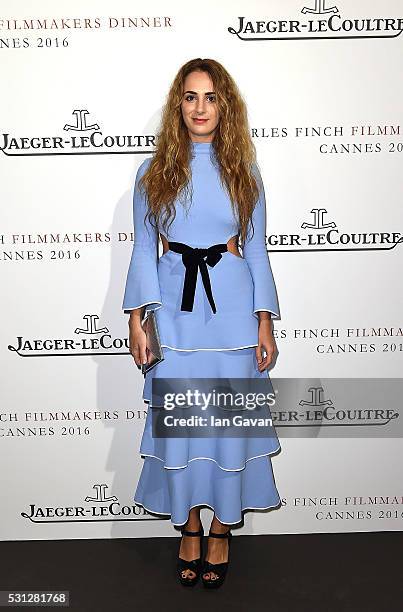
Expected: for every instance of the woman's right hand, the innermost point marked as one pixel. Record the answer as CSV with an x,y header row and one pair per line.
x,y
137,338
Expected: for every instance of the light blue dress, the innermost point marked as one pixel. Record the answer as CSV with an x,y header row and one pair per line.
x,y
229,475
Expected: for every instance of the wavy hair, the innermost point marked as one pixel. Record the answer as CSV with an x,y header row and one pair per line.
x,y
168,175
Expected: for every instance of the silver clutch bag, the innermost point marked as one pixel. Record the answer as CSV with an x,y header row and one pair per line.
x,y
154,350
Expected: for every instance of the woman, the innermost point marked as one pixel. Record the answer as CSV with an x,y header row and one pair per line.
x,y
202,192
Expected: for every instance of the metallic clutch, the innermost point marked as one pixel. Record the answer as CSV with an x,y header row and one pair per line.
x,y
154,350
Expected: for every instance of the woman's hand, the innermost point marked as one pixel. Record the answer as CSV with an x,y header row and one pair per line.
x,y
265,341
137,338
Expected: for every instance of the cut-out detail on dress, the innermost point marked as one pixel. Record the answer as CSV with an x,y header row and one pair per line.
x,y
234,241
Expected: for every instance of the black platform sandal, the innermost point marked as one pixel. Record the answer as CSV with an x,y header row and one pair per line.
x,y
195,564
218,568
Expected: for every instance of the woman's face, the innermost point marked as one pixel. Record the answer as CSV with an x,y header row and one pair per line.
x,y
199,107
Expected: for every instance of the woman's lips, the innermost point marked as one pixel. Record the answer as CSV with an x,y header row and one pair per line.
x,y
199,120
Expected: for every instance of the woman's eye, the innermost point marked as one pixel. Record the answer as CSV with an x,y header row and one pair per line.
x,y
191,97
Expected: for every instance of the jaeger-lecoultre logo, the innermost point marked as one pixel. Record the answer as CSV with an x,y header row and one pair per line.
x,y
319,22
96,508
326,236
87,340
79,137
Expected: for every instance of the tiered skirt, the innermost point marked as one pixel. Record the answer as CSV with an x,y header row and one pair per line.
x,y
230,475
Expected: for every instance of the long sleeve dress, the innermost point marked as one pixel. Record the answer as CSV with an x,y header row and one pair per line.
x,y
213,336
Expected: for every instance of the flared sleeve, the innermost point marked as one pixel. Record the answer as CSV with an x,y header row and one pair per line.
x,y
142,285
257,258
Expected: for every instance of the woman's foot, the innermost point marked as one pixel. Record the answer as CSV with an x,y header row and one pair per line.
x,y
190,546
218,548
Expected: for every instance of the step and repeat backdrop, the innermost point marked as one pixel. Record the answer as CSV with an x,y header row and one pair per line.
x,y
83,86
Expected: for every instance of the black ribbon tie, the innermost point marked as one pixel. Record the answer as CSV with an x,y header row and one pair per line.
x,y
195,259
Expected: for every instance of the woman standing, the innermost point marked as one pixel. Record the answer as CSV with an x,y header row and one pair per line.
x,y
202,192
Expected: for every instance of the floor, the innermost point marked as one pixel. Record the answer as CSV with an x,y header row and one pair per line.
x,y
270,573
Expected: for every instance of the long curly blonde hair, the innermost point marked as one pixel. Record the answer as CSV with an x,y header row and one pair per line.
x,y
168,175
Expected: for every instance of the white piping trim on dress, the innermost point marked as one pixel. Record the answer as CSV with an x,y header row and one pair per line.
x,y
211,507
173,348
276,314
210,459
145,304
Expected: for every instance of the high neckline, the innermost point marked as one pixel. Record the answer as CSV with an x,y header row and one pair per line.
x,y
201,147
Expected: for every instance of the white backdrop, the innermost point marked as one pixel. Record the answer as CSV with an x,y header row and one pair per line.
x,y
83,84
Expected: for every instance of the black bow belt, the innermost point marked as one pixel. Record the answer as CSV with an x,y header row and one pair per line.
x,y
194,259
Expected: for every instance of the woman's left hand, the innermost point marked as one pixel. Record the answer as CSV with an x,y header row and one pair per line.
x,y
267,343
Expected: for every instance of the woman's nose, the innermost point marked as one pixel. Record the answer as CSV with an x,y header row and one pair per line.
x,y
200,106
